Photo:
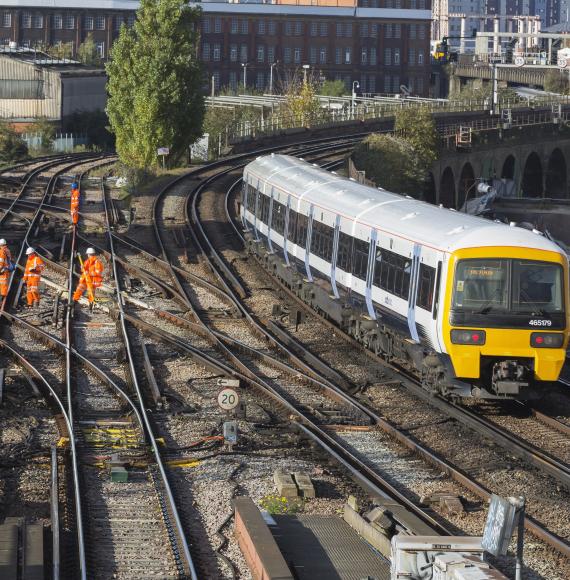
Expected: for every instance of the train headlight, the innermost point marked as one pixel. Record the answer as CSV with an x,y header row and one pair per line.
x,y
546,340
468,337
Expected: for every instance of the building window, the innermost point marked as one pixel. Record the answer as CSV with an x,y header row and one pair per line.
x,y
388,30
348,29
337,56
131,20
234,26
387,56
422,4
233,80
347,55
272,28
364,56
313,55
339,29
233,52
314,29
323,55
57,21
373,57
420,57
100,49
243,53
244,26
206,25
364,30
412,57
324,29
217,52
396,56
422,31
260,81
298,28
387,84
100,23
397,31
372,84
288,28
260,53
287,55
297,56
37,21
271,54
261,27
396,84
217,25
117,22
88,23
26,19
374,30
6,19
206,51
412,31
216,75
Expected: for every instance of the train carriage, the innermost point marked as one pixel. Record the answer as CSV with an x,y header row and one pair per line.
x,y
473,307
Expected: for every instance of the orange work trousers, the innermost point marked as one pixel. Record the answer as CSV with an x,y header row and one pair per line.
x,y
4,279
33,294
80,290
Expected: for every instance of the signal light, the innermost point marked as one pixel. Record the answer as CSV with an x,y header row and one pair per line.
x,y
546,340
476,337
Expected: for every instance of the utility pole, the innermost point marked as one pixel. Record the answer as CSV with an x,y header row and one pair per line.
x,y
495,103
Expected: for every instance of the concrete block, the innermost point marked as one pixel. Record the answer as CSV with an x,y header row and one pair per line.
x,y
304,484
371,534
286,487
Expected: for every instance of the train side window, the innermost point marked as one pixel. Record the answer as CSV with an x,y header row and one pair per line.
x,y
344,258
278,218
322,240
292,229
302,225
426,286
392,273
264,202
360,260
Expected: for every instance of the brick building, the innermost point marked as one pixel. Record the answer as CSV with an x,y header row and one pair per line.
x,y
382,44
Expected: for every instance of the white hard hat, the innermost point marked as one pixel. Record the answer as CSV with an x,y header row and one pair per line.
x,y
29,251
90,251
2,242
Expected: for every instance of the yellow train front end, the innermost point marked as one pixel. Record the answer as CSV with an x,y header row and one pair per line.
x,y
506,319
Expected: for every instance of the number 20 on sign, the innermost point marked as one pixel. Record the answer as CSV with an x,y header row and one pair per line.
x,y
228,399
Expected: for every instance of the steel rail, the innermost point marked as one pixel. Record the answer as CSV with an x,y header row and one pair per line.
x,y
189,563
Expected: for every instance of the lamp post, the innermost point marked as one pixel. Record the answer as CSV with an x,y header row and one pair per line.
x,y
306,67
355,85
274,64
244,65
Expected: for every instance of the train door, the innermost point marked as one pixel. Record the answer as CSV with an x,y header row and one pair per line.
x,y
335,256
286,230
413,293
269,222
370,274
256,212
308,243
244,201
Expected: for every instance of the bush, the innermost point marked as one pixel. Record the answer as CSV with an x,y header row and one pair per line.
x,y
12,147
333,89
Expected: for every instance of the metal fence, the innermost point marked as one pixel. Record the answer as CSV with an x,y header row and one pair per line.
x,y
62,143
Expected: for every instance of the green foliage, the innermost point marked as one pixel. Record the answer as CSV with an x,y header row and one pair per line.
x,y
61,50
46,131
276,504
155,97
418,128
87,52
93,124
12,147
479,92
392,163
333,89
556,81
302,104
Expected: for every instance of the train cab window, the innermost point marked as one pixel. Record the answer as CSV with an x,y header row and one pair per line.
x,y
360,258
278,217
392,273
344,258
322,240
481,285
301,230
426,285
536,286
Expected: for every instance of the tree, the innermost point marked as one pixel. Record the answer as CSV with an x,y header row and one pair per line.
x,y
155,97
302,105
61,50
556,81
418,128
87,52
46,131
12,147
333,89
390,162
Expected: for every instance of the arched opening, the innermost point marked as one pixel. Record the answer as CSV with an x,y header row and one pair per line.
x,y
508,171
447,188
532,177
429,189
556,183
466,181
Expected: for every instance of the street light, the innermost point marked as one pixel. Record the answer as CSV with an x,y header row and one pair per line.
x,y
271,76
244,65
355,85
306,67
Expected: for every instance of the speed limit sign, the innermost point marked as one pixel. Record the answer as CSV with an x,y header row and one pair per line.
x,y
228,399
562,62
519,61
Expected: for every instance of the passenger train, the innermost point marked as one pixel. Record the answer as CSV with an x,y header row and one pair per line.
x,y
472,307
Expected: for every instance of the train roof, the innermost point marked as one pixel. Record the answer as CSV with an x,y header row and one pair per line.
x,y
398,215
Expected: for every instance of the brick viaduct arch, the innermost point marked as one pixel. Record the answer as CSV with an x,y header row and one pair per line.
x,y
536,169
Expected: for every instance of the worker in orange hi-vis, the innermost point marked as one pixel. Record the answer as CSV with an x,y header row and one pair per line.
x,y
75,206
32,275
5,268
91,277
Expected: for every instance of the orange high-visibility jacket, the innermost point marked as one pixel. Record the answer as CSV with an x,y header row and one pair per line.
x,y
34,267
5,257
75,198
94,270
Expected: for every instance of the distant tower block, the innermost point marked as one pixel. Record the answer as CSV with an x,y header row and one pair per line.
x,y
496,24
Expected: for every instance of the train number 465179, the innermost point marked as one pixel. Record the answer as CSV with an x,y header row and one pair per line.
x,y
540,322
